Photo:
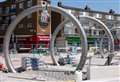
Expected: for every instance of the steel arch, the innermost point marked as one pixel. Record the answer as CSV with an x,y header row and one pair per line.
x,y
108,33
26,13
83,56
82,61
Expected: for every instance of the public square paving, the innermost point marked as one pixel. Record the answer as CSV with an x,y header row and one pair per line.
x,y
23,77
39,76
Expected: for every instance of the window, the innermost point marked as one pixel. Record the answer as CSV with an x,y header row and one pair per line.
x,y
29,3
85,24
118,33
69,10
13,17
110,17
0,10
13,6
0,18
97,32
29,25
14,1
94,32
118,18
20,26
69,28
6,21
31,30
29,16
7,18
114,32
21,6
73,11
102,32
85,13
87,32
19,0
7,10
81,13
3,27
97,15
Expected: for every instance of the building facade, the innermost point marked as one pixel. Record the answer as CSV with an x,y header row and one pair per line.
x,y
93,30
38,27
35,28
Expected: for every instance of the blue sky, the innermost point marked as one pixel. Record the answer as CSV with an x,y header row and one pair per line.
x,y
100,5
2,0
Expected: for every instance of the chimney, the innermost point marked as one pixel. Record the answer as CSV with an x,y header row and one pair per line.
x,y
87,8
59,3
111,11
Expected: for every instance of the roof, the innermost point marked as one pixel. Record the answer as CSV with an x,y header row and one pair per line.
x,y
92,11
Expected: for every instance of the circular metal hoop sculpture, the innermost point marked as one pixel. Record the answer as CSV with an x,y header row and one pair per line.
x,y
83,57
30,11
83,43
101,47
108,33
101,42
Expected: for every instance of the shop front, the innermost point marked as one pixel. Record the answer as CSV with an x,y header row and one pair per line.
x,y
74,42
41,41
33,42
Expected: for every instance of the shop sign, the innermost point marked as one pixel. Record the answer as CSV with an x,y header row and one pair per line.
x,y
76,39
41,38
